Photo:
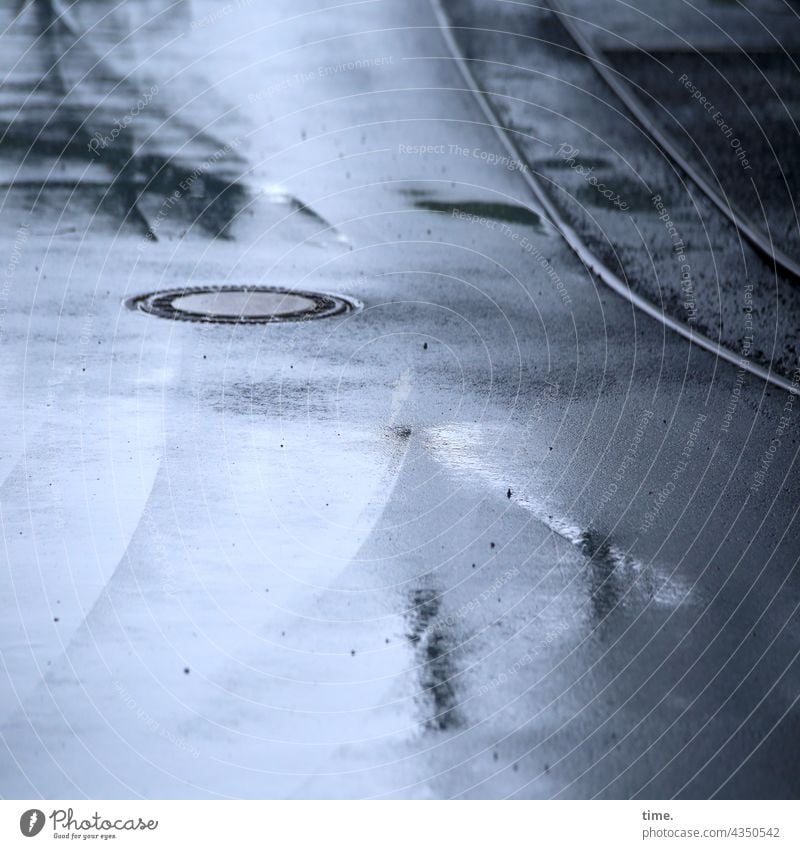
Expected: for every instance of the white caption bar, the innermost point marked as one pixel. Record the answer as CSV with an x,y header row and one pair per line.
x,y
399,825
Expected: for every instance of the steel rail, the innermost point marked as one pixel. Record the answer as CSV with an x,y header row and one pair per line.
x,y
751,232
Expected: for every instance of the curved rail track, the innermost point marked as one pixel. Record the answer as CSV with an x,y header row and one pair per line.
x,y
759,240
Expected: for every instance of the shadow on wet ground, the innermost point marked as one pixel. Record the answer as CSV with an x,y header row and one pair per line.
x,y
104,120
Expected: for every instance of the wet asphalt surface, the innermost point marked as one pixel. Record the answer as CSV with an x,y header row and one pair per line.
x,y
493,533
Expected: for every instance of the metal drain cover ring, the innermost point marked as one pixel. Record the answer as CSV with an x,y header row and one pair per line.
x,y
241,304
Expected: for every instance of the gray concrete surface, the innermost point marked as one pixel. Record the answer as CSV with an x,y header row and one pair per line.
x,y
494,535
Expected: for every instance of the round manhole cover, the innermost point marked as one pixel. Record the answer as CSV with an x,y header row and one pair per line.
x,y
241,304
